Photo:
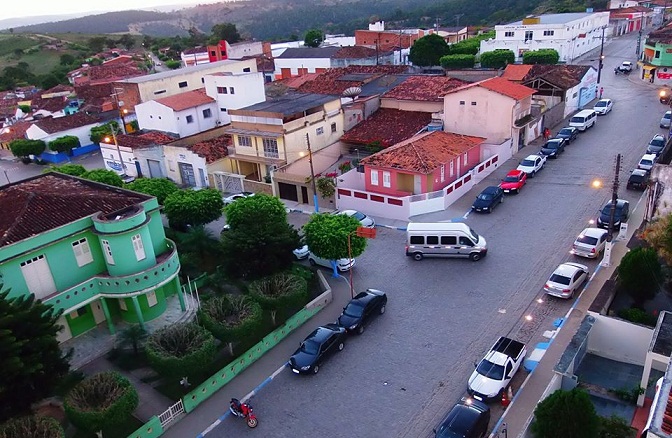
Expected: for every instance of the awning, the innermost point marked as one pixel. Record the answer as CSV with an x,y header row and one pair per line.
x,y
649,67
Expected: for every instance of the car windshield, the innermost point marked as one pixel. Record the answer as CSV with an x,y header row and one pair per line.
x,y
601,103
646,163
667,115
607,210
557,278
309,346
587,240
353,309
474,234
359,216
637,178
490,370
485,197
576,120
511,179
657,142
527,163
565,131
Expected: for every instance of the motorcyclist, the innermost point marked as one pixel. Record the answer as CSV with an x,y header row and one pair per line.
x,y
240,408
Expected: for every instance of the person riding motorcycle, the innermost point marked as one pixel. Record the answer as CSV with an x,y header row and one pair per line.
x,y
240,408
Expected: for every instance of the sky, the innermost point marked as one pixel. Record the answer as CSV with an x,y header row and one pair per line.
x,y
18,8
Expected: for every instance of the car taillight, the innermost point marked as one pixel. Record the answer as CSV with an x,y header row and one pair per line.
x,y
565,290
592,250
406,247
547,285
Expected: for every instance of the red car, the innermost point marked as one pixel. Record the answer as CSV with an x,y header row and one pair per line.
x,y
514,181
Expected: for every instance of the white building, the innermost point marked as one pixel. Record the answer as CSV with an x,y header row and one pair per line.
x,y
234,92
571,34
183,114
124,156
195,56
297,62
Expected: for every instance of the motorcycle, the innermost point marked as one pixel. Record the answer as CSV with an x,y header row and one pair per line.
x,y
243,410
617,71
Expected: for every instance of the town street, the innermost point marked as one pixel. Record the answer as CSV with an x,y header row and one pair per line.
x,y
13,171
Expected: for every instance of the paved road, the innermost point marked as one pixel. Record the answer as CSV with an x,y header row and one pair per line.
x,y
403,374
13,171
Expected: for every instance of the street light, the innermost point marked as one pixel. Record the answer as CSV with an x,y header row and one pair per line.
x,y
114,139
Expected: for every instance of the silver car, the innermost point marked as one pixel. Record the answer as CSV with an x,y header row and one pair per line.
x,y
365,220
566,280
590,243
665,121
342,265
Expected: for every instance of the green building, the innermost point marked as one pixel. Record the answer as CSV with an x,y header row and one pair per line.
x,y
657,56
97,252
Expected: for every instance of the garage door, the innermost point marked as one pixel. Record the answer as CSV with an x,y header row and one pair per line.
x,y
288,191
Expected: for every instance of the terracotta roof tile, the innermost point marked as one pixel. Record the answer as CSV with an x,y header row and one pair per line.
x,y
14,132
45,202
355,52
142,140
424,88
195,50
60,88
425,153
516,72
330,82
213,149
52,125
388,126
501,86
564,76
53,104
188,99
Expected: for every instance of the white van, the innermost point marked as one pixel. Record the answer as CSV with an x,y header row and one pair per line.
x,y
583,119
450,239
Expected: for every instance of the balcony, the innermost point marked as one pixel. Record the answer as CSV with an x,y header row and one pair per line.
x,y
166,267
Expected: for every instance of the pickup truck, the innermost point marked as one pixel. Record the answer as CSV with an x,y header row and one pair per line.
x,y
494,372
532,164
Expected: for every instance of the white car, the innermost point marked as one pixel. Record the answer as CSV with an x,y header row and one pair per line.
x,y
590,243
566,279
665,120
361,217
647,162
342,265
532,164
603,106
229,199
301,252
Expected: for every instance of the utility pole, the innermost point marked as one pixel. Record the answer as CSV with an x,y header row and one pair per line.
x,y
312,174
599,69
606,261
457,19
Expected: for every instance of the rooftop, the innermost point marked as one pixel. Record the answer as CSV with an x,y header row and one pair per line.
x,y
289,104
195,50
179,72
425,153
52,104
213,149
337,80
188,99
44,202
308,52
424,88
556,18
14,132
143,139
388,126
662,338
501,86
562,75
52,125
516,72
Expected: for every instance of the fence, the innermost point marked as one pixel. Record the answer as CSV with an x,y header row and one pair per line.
x,y
171,413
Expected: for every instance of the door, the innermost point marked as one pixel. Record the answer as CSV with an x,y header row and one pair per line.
x,y
288,191
38,277
154,169
417,184
187,174
98,314
64,334
304,195
465,246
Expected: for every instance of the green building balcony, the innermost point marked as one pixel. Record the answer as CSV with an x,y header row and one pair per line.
x,y
166,268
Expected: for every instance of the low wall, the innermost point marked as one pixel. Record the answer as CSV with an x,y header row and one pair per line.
x,y
85,150
53,157
257,187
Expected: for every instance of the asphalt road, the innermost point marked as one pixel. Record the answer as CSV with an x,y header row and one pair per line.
x,y
13,171
411,365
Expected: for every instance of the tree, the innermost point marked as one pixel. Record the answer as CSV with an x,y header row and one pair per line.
x,y
231,317
658,234
67,59
173,65
201,249
23,148
313,38
48,81
542,56
32,364
32,426
68,169
18,53
279,291
458,61
104,176
224,31
98,133
158,187
639,273
64,144
428,50
327,236
193,207
96,44
25,109
127,41
133,336
553,415
103,400
499,58
260,241
614,427
180,350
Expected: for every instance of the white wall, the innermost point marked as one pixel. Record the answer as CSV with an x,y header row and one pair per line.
x,y
295,64
151,153
155,116
83,133
619,340
173,155
248,48
199,122
110,156
248,90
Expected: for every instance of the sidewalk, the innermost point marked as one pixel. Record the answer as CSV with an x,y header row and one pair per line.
x,y
519,415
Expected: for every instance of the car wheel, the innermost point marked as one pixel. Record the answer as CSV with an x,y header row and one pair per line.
x,y
474,257
312,262
316,369
417,256
341,346
360,329
533,173
382,309
501,199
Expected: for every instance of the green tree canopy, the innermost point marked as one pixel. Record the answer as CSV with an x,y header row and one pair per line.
x,y
564,414
67,59
32,426
327,236
224,31
104,176
200,251
181,350
542,56
313,38
64,144
279,291
96,44
127,41
98,133
158,187
499,58
22,147
68,169
193,207
230,317
639,273
32,364
428,50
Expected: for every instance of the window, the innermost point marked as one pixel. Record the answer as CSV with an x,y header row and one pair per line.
x,y
466,242
231,90
333,128
190,119
222,90
247,70
452,171
432,240
508,34
82,252
417,240
151,299
138,247
462,102
549,32
374,177
465,159
386,179
108,252
159,91
207,113
448,240
270,148
244,140
473,103
657,55
528,35
319,131
223,110
182,84
443,172
201,175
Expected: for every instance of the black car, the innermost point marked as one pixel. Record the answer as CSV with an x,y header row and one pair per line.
x,y
317,346
568,133
656,145
363,307
639,179
489,198
553,147
620,214
467,419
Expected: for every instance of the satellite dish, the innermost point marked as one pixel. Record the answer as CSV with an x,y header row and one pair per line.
x,y
352,92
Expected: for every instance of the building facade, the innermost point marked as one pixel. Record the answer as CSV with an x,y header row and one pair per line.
x,y
234,92
183,114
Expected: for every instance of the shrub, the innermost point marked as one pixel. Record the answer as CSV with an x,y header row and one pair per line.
x,y
64,144
326,186
23,147
639,274
193,207
104,176
180,350
638,316
552,414
279,291
230,317
499,58
542,56
458,61
32,426
69,169
161,188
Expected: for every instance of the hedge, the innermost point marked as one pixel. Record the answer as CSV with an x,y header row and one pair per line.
x,y
458,61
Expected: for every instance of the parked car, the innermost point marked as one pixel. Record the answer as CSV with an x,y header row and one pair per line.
x,y
532,164
467,419
638,180
494,372
569,133
664,95
301,252
229,199
566,279
656,145
625,67
342,265
513,181
488,199
665,120
590,243
365,220
553,147
621,214
361,309
317,347
647,161
603,106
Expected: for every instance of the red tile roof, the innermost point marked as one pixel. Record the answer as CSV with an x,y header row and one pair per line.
x,y
355,52
60,88
424,88
141,140
52,125
329,82
213,149
388,126
501,86
53,104
195,50
14,132
188,99
45,202
425,153
298,81
516,72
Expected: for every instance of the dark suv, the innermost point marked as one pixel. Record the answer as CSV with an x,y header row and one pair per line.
x,y
467,419
638,180
620,214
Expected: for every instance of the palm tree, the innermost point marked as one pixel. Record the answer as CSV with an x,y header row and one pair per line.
x,y
133,336
203,245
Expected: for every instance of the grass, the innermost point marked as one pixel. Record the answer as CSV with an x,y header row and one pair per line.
x,y
130,425
9,43
40,62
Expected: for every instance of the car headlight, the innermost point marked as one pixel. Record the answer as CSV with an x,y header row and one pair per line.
x,y
306,368
485,208
352,327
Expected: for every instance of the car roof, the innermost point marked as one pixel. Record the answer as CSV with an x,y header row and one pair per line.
x,y
648,157
619,203
491,190
604,100
639,172
321,333
593,232
531,157
462,418
658,136
571,128
566,270
514,172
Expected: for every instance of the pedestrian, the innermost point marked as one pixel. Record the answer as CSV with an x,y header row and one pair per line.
x,y
547,133
601,91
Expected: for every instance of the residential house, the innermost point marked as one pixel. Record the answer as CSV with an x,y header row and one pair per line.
x,y
570,34
109,71
386,127
240,50
376,37
195,56
78,125
234,92
189,161
9,133
123,156
95,252
183,114
454,34
420,93
299,61
617,4
494,108
657,56
96,98
135,91
630,19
